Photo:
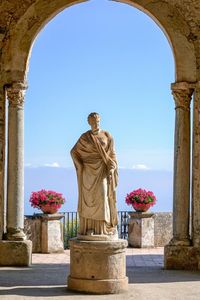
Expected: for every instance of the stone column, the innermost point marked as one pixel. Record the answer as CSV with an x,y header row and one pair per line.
x,y
196,169
2,160
15,176
182,93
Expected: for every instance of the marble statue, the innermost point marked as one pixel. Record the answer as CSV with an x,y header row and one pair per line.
x,y
97,174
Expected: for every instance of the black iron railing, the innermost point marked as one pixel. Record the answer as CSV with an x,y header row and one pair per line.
x,y
71,225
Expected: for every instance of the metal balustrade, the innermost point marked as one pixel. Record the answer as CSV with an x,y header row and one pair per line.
x,y
71,225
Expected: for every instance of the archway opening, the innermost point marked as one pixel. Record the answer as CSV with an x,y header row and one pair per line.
x,y
111,58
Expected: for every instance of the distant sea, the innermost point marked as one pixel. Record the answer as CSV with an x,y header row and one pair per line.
x,y
64,180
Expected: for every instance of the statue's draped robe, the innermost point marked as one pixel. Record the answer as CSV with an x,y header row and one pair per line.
x,y
93,160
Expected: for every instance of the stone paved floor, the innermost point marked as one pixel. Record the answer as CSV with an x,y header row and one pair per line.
x,y
134,257
46,279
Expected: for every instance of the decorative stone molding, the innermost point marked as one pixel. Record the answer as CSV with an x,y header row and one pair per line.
x,y
16,93
182,93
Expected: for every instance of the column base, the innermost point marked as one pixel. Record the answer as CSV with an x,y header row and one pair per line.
x,y
178,257
180,242
15,234
98,267
15,253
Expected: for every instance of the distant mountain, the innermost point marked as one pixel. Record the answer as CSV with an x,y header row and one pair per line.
x,y
64,180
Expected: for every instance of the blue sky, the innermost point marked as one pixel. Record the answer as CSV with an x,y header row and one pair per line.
x,y
107,57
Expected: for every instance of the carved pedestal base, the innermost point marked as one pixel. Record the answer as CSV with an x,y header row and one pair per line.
x,y
46,232
181,257
98,267
15,253
141,230
51,233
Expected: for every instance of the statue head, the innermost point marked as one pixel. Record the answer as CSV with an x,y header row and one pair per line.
x,y
93,121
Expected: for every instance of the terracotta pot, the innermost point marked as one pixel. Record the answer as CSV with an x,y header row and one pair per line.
x,y
142,208
47,209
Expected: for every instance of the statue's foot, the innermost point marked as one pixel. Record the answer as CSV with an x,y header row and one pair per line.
x,y
113,232
90,232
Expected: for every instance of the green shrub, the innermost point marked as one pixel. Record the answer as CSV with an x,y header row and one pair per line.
x,y
71,229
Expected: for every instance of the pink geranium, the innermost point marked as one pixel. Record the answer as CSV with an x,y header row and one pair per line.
x,y
46,198
140,199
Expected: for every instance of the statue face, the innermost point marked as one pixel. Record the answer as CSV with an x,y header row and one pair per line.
x,y
94,123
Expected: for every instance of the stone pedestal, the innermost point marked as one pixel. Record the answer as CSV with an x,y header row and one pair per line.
x,y
98,267
15,253
180,257
141,230
51,233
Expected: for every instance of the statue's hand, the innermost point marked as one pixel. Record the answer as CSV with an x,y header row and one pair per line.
x,y
111,172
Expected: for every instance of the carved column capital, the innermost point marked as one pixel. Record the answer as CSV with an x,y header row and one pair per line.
x,y
16,93
182,93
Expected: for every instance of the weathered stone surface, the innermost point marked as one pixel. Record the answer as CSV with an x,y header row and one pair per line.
x,y
98,266
195,170
15,174
15,253
21,23
2,162
32,229
46,232
141,230
181,258
182,93
162,228
51,234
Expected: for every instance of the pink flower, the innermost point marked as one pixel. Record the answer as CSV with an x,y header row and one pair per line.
x,y
140,198
46,197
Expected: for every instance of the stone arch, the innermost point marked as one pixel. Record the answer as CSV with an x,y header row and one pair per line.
x,y
17,51
19,39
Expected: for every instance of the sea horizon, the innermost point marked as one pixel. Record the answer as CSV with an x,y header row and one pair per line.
x,y
63,180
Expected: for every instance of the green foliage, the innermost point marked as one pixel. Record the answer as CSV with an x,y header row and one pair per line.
x,y
71,229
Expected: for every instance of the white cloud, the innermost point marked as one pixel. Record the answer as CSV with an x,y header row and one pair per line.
x,y
28,165
34,165
52,165
140,167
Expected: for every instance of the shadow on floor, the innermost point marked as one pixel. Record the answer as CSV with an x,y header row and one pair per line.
x,y
36,275
157,274
47,291
44,280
